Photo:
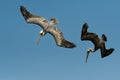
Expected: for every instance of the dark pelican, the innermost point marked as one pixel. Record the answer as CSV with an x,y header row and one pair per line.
x,y
99,43
48,27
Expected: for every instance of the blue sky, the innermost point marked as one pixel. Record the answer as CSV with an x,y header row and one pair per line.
x,y
22,59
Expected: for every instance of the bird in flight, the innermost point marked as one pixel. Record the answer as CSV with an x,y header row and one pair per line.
x,y
99,43
48,27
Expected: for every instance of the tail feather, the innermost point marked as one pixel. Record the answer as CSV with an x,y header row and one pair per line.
x,y
25,13
68,44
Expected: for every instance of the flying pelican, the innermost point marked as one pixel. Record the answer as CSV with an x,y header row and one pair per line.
x,y
99,43
48,27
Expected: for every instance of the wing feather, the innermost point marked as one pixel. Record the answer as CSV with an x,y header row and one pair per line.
x,y
59,38
85,35
34,19
53,30
56,33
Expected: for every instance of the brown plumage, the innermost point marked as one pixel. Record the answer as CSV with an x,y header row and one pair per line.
x,y
99,43
48,27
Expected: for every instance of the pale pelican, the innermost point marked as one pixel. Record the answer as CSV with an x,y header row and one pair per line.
x,y
48,27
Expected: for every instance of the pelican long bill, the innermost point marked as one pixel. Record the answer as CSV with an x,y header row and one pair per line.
x,y
87,55
39,37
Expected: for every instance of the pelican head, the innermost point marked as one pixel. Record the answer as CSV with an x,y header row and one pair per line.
x,y
42,33
88,52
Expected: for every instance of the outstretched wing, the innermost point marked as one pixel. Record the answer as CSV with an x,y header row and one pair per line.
x,y
59,38
105,52
30,18
84,29
85,35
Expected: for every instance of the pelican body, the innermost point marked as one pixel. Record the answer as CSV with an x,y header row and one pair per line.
x,y
99,43
48,27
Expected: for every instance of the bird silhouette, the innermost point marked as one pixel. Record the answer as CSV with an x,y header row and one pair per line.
x,y
99,43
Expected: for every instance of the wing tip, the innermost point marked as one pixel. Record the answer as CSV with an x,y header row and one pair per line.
x,y
85,25
68,44
25,12
107,52
104,37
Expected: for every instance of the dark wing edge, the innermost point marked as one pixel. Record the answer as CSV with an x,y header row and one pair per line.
x,y
30,18
84,29
85,35
26,14
104,37
59,38
105,52
68,44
